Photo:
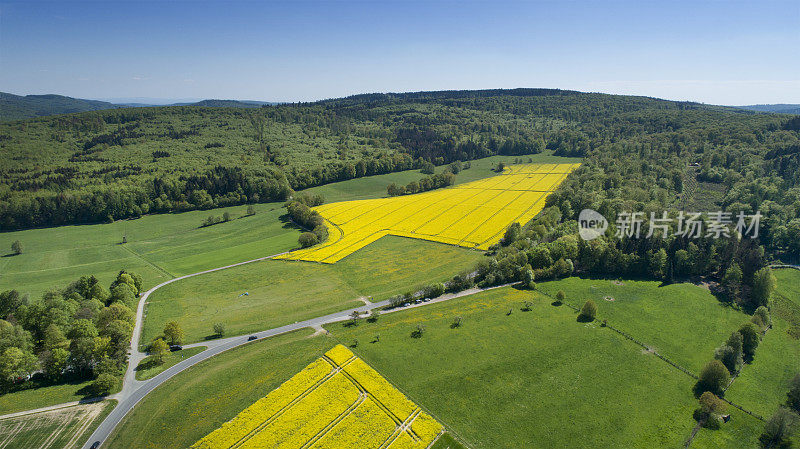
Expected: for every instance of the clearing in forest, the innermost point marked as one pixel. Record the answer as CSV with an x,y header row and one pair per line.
x,y
337,401
472,215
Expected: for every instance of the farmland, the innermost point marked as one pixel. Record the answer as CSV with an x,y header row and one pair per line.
x,y
472,215
485,380
62,428
337,400
272,288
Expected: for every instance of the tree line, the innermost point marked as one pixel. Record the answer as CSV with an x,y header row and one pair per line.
x,y
80,332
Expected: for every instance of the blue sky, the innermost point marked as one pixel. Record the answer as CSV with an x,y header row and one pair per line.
x,y
722,52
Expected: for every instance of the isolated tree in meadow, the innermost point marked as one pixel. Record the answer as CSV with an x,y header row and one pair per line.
x,y
16,247
226,216
251,210
750,340
714,378
219,329
588,311
159,349
778,430
763,286
173,333
560,296
308,239
500,167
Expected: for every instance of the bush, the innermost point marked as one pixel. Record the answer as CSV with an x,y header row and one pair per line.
x,y
588,311
308,239
434,290
103,385
16,247
219,329
714,378
560,297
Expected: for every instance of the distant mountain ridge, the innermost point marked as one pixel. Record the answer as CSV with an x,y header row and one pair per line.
x,y
18,107
775,108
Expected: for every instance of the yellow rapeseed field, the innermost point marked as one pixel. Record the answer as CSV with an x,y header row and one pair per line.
x,y
473,215
338,401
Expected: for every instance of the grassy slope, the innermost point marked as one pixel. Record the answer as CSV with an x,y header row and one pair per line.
x,y
197,401
43,396
524,380
53,257
147,368
762,385
673,319
281,292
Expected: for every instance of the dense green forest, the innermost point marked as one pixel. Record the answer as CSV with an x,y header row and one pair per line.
x,y
17,107
641,154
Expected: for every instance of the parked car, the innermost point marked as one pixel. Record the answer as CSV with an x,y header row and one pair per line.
x,y
251,338
174,348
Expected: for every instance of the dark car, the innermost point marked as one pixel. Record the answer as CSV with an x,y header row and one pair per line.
x,y
174,348
95,445
251,338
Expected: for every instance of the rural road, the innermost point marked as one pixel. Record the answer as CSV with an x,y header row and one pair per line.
x,y
134,390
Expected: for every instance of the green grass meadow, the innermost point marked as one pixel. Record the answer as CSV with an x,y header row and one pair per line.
x,y
762,385
159,247
281,292
149,368
500,380
683,322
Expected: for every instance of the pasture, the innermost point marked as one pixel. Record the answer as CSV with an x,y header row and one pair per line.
x,y
763,384
281,292
472,215
486,380
683,322
159,247
336,401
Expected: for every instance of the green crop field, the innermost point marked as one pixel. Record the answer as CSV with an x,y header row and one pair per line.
x,y
488,380
281,292
673,320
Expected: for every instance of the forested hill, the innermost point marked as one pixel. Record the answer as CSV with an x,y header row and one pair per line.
x,y
16,107
121,163
776,108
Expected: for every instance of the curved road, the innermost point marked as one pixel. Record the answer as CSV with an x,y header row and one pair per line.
x,y
134,390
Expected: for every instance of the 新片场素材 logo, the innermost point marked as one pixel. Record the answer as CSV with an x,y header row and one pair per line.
x,y
591,224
